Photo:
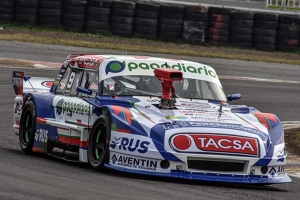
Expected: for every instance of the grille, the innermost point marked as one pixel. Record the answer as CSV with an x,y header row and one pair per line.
x,y
220,166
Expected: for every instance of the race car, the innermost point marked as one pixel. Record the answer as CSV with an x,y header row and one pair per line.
x,y
147,115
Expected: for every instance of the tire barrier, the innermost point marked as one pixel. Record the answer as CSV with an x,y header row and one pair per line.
x,y
97,16
265,31
6,11
122,17
146,20
73,17
170,22
288,33
49,13
26,11
218,24
241,27
195,25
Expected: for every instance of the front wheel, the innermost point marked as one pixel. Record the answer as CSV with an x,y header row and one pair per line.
x,y
27,127
98,144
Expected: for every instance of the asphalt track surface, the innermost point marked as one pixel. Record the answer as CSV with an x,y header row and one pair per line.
x,y
42,177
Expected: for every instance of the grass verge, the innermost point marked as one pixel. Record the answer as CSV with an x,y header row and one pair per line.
x,y
292,139
14,63
36,34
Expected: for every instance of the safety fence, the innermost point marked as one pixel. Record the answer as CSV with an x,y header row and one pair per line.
x,y
198,25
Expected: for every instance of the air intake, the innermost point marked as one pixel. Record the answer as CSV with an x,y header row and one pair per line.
x,y
219,166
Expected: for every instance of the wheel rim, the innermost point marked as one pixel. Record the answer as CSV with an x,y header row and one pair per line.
x,y
27,127
99,143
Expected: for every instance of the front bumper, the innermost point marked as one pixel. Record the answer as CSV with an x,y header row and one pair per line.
x,y
246,179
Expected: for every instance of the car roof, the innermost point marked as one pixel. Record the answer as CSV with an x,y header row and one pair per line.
x,y
93,60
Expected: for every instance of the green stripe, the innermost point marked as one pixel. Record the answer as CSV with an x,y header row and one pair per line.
x,y
72,136
113,127
26,134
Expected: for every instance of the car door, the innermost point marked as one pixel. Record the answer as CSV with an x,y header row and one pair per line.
x,y
77,110
62,95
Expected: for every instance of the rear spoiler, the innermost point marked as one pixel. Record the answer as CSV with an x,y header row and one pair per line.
x,y
17,81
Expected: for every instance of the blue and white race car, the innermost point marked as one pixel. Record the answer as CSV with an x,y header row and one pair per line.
x,y
154,116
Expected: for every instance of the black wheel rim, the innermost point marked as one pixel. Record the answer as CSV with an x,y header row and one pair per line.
x,y
27,127
99,143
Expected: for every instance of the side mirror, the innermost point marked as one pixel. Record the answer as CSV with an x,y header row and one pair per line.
x,y
84,90
233,97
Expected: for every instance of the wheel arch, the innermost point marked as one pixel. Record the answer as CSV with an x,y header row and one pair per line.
x,y
43,104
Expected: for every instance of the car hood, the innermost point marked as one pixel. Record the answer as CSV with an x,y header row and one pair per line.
x,y
195,113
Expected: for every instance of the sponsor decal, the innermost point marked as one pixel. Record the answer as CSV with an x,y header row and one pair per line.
x,y
174,124
86,62
41,135
134,162
153,100
131,145
194,103
204,118
215,143
280,170
179,66
18,108
66,106
17,82
226,126
59,108
59,76
281,155
280,159
175,117
114,67
47,84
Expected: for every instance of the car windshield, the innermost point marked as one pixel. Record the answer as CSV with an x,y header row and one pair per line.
x,y
151,86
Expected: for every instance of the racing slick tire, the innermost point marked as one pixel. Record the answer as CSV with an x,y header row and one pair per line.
x,y
27,127
98,144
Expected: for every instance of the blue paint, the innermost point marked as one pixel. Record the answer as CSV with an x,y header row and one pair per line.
x,y
43,104
246,179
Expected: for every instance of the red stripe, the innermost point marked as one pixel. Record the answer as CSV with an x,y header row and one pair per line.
x,y
74,140
128,115
83,144
117,109
262,120
35,149
80,123
141,57
271,117
64,139
123,130
41,120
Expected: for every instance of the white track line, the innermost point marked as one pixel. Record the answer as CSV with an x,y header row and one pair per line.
x,y
257,79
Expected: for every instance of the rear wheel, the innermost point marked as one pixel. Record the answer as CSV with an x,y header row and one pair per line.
x,y
98,145
27,127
